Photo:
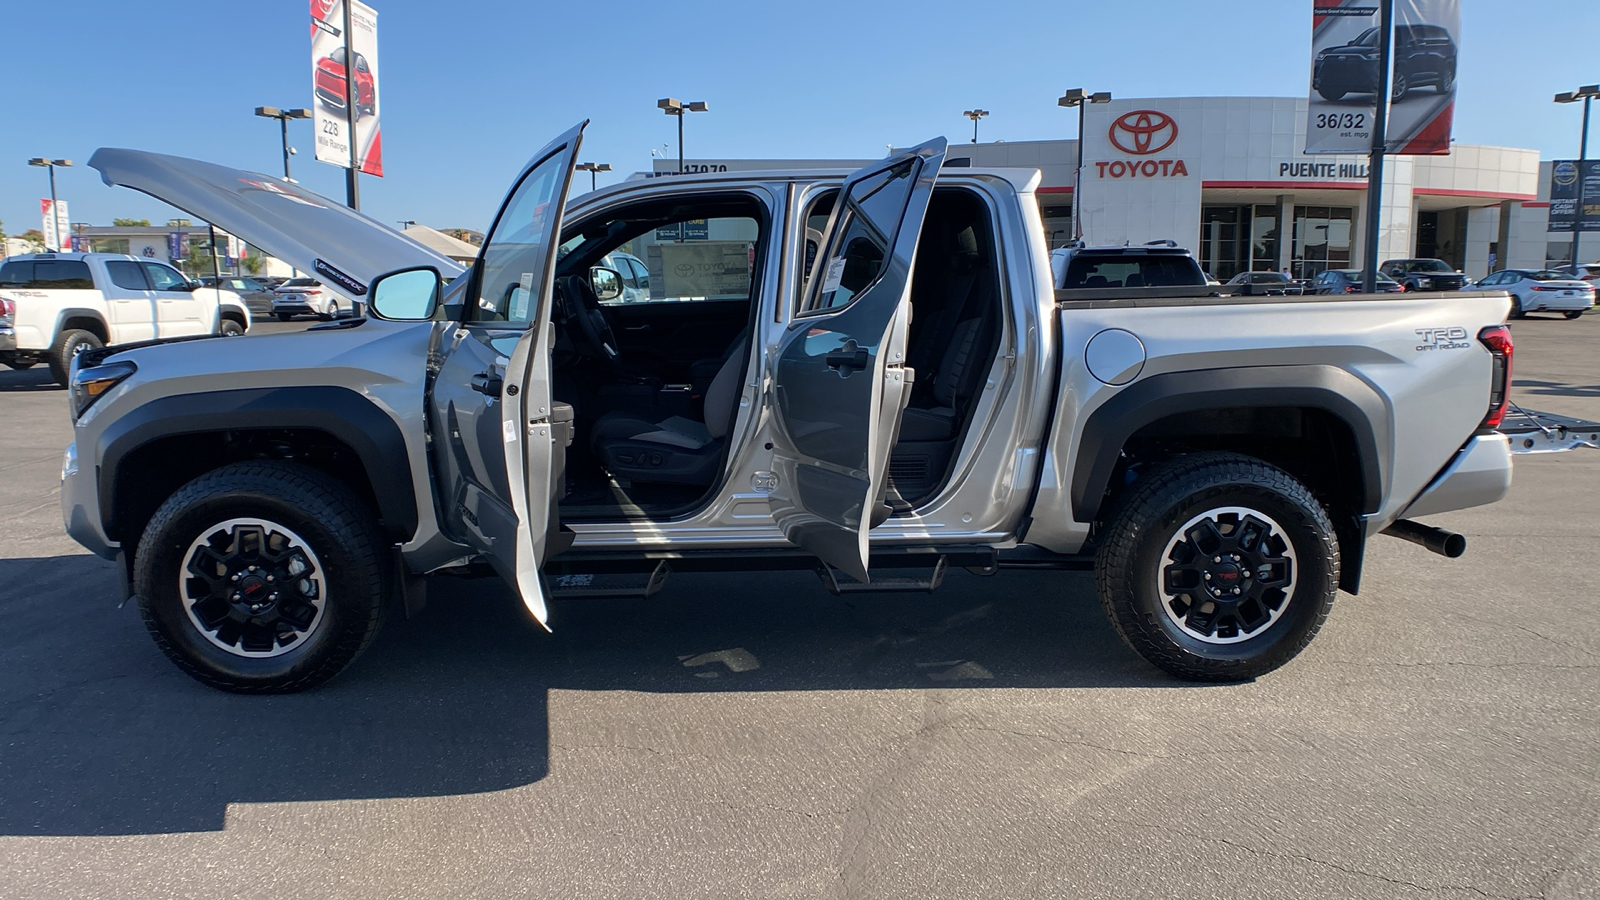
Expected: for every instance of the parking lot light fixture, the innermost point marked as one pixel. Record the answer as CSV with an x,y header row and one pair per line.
x,y
1081,99
405,223
283,116
1586,93
48,163
673,107
593,169
975,114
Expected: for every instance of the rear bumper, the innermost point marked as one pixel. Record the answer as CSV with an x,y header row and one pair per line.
x,y
1536,303
1479,475
8,338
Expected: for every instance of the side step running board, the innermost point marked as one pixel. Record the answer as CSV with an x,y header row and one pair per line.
x,y
610,585
918,580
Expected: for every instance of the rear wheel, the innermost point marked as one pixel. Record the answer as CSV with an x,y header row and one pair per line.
x,y
1218,567
1400,87
1516,308
332,313
72,342
261,577
1574,313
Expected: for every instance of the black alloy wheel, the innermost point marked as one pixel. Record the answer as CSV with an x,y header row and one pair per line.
x,y
1218,567
262,577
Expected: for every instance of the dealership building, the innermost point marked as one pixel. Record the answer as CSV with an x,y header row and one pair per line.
x,y
1228,178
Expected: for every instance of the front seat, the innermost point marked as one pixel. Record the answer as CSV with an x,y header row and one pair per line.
x,y
675,450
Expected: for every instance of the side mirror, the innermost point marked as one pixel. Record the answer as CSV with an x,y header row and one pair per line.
x,y
607,283
405,295
193,286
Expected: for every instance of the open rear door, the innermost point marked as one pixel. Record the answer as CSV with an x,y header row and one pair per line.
x,y
840,378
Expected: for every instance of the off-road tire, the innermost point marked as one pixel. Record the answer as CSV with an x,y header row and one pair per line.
x,y
334,523
1129,566
230,328
71,342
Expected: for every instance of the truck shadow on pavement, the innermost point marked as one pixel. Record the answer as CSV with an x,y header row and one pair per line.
x,y
103,736
34,379
1557,388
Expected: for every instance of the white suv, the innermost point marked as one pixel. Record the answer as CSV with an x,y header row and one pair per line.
x,y
54,306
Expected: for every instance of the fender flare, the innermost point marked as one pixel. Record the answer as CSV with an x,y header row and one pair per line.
x,y
80,312
1334,390
338,412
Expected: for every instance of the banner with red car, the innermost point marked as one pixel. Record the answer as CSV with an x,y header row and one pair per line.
x,y
336,55
1346,70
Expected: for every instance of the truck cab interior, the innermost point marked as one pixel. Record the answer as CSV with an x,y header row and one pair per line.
x,y
655,383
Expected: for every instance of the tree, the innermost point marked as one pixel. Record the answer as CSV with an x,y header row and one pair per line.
x,y
34,238
198,262
2,238
252,264
131,223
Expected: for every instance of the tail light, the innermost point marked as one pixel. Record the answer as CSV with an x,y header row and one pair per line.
x,y
1539,287
1498,339
308,293
7,308
1351,289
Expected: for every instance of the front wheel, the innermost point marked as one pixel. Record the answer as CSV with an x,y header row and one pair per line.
x,y
261,577
230,328
1218,567
1330,94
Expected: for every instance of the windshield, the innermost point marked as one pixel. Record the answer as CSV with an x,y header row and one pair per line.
x,y
1368,38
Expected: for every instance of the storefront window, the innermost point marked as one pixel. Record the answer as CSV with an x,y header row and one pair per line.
x,y
1057,224
1219,241
1322,239
108,245
1264,240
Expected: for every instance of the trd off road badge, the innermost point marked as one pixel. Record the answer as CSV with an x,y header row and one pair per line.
x,y
1453,338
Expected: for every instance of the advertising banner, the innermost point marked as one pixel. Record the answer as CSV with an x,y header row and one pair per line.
x,y
1345,74
177,245
332,53
56,225
1565,214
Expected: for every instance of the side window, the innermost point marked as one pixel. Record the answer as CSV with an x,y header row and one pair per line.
x,y
866,225
62,274
641,276
515,255
125,274
164,278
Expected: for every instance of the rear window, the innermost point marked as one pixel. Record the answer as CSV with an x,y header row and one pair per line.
x,y
46,274
1087,271
301,282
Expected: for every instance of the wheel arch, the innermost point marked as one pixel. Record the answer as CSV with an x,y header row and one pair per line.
x,y
90,320
161,445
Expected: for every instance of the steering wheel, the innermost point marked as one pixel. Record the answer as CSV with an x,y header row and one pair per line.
x,y
592,328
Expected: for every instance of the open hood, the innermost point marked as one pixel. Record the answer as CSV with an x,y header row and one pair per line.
x,y
305,230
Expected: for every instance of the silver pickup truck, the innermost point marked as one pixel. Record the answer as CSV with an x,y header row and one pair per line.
x,y
870,374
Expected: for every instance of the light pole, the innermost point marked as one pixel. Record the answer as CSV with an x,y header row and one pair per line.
x,y
975,114
51,165
1081,99
283,116
595,168
1586,93
405,223
674,108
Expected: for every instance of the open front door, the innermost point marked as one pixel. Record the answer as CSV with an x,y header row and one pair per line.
x,y
840,377
507,439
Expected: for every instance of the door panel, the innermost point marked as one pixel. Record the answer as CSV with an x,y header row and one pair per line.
x,y
129,303
177,308
491,398
668,338
840,380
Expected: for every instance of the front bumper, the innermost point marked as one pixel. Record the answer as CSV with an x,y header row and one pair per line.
x,y
1479,475
1349,74
80,507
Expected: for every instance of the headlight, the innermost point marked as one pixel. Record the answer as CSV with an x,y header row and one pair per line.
x,y
89,385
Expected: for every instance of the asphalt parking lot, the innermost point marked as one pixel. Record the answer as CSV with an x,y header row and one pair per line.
x,y
753,736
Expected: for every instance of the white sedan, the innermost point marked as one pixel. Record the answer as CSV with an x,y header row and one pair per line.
x,y
1534,290
309,297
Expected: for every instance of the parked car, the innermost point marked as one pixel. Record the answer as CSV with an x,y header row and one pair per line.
x,y
273,282
1589,272
309,297
1535,290
1264,284
633,275
1424,55
1424,274
62,304
1349,281
1156,264
256,295
323,474
330,84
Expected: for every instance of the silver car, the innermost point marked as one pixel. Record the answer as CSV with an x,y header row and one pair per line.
x,y
1542,290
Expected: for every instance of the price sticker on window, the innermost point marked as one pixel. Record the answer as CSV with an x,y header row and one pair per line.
x,y
830,283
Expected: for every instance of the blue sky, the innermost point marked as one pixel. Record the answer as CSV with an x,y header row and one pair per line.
x,y
470,92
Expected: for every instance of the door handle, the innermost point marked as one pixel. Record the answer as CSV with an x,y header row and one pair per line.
x,y
645,327
847,359
489,383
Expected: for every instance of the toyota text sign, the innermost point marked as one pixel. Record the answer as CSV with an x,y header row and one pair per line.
x,y
1346,73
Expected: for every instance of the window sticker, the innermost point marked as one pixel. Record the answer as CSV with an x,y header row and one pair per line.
x,y
519,298
834,276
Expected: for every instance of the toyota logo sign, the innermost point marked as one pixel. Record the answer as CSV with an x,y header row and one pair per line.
x,y
1143,132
